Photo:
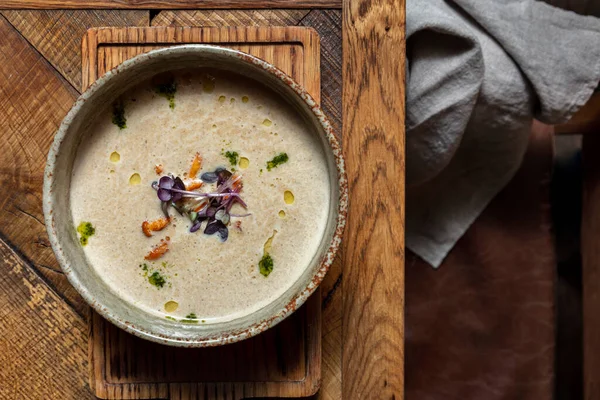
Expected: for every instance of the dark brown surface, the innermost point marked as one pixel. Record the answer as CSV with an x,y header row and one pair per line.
x,y
590,250
566,201
169,4
482,325
373,65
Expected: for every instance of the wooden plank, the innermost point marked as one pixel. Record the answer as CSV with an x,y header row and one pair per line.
x,y
590,253
304,41
43,342
33,100
284,361
57,34
168,4
280,362
218,18
373,253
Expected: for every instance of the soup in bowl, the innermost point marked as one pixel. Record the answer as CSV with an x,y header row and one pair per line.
x,y
195,195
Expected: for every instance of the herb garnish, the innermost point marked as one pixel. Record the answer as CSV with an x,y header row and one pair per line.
x,y
85,229
277,160
212,207
157,279
191,318
233,157
265,265
189,321
118,115
167,90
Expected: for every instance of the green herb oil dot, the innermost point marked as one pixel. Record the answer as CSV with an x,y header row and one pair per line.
x,y
265,265
85,230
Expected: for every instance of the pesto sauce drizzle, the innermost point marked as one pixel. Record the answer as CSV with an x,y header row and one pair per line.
x,y
279,159
232,156
265,265
157,279
167,90
85,230
118,115
191,318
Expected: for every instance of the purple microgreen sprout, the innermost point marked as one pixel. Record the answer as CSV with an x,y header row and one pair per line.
x,y
171,191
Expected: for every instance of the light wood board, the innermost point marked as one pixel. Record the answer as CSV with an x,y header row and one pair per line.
x,y
373,254
284,361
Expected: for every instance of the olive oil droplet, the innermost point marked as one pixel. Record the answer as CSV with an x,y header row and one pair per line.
x,y
115,157
269,244
267,122
135,179
232,100
288,197
281,214
245,99
171,306
222,99
244,163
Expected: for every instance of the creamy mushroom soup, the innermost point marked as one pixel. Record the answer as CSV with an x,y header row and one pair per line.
x,y
200,196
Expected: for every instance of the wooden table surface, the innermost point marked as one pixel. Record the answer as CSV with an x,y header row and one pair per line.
x,y
43,328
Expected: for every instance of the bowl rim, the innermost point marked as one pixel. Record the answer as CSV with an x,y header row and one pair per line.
x,y
258,326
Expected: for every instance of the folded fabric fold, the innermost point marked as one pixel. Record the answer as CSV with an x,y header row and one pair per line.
x,y
479,71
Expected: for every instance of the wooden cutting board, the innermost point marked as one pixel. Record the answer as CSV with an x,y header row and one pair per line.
x,y
284,361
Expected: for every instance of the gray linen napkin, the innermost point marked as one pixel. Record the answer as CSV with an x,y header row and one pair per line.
x,y
478,72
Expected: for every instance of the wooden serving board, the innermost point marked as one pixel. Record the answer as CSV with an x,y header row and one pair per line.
x,y
284,361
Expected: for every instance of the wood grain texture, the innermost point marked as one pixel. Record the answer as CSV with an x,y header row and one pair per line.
x,y
33,100
220,18
328,24
590,252
278,363
284,361
57,34
297,47
168,4
373,253
42,340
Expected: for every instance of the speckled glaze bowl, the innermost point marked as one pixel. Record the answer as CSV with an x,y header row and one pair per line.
x,y
63,236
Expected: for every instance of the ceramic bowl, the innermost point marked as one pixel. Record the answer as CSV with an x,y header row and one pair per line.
x,y
64,239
